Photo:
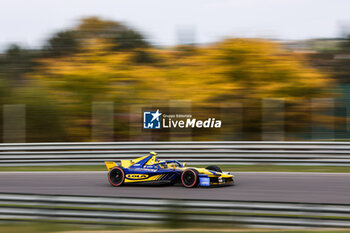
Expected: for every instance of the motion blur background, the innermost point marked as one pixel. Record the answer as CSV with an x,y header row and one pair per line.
x,y
83,70
276,73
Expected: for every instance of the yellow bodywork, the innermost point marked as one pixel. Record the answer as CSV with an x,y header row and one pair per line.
x,y
128,163
130,178
151,178
110,165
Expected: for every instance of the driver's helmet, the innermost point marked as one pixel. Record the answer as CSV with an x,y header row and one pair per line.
x,y
154,158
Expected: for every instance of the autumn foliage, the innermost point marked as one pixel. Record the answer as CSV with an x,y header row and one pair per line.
x,y
107,61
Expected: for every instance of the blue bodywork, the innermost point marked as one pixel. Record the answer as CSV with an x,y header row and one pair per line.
x,y
158,173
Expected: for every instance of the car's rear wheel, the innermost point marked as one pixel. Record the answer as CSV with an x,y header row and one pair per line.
x,y
116,176
189,178
213,168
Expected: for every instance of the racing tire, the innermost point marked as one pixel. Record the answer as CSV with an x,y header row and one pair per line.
x,y
116,176
190,178
213,168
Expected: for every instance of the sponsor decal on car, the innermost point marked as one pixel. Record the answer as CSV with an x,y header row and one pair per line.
x,y
137,176
204,181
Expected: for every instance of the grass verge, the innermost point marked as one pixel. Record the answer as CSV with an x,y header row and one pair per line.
x,y
65,228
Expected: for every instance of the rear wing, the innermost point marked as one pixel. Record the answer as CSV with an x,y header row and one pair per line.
x,y
123,163
139,162
110,165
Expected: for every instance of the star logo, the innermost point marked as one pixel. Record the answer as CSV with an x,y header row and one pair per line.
x,y
151,120
156,115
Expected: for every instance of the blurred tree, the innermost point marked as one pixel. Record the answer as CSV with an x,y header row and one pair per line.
x,y
342,64
102,60
129,39
44,117
16,62
262,69
77,80
86,80
120,36
234,70
92,29
61,44
246,71
42,121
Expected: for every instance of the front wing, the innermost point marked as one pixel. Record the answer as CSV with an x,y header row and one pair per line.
x,y
205,180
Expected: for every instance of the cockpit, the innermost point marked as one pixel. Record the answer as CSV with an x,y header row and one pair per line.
x,y
168,164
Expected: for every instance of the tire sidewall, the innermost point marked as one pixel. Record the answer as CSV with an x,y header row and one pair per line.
x,y
109,178
195,183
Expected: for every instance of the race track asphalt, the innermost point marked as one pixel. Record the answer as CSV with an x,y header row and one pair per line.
x,y
289,187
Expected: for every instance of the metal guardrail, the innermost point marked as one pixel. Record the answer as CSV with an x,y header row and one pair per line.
x,y
126,210
221,152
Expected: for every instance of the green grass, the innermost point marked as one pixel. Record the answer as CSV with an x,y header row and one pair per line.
x,y
269,231
47,227
42,227
232,168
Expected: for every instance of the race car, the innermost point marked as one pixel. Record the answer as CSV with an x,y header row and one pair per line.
x,y
149,170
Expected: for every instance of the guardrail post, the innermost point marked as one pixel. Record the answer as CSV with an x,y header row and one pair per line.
x,y
175,216
14,123
272,119
322,112
136,132
232,118
102,121
187,134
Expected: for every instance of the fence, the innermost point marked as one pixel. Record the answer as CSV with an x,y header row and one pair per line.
x,y
131,211
223,152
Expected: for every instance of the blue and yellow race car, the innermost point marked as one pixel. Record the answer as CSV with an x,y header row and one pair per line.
x,y
149,170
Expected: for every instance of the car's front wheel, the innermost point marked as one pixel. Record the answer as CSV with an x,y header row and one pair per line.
x,y
116,176
190,178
